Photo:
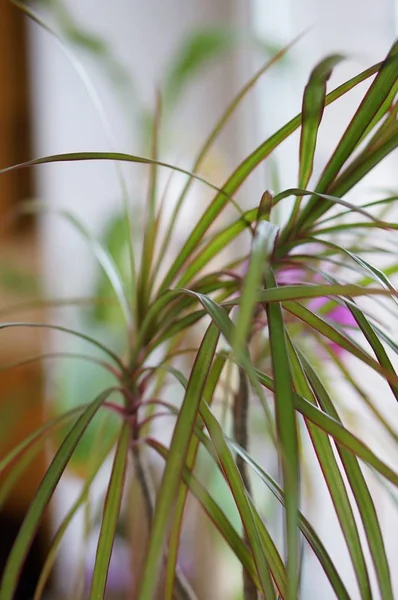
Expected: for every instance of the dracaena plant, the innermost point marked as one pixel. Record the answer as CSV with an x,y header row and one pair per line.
x,y
262,328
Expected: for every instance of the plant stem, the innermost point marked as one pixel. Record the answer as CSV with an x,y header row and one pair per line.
x,y
240,418
143,482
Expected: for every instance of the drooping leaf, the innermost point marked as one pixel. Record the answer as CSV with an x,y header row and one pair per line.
x,y
337,431
265,554
308,531
334,481
36,437
36,510
77,36
214,512
361,493
59,535
73,332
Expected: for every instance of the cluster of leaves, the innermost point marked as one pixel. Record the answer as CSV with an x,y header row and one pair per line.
x,y
237,305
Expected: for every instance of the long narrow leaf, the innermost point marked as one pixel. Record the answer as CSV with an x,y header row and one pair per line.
x,y
331,333
336,431
287,434
35,513
362,495
36,437
244,170
261,251
173,472
96,100
334,480
149,237
59,535
265,554
373,100
212,138
221,522
110,516
217,243
312,111
308,531
172,554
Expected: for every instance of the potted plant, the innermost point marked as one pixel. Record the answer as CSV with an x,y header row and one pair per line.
x,y
257,331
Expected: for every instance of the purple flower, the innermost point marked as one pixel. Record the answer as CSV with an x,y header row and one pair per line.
x,y
291,276
338,314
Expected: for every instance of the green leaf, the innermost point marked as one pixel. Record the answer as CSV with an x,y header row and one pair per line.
x,y
351,227
370,105
361,493
115,156
150,230
265,554
76,35
200,48
373,338
334,481
175,532
110,516
364,163
288,293
243,171
266,540
312,112
51,355
261,251
15,473
177,457
217,243
335,430
36,510
59,535
332,199
221,522
287,435
306,528
389,107
387,201
345,438
332,334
